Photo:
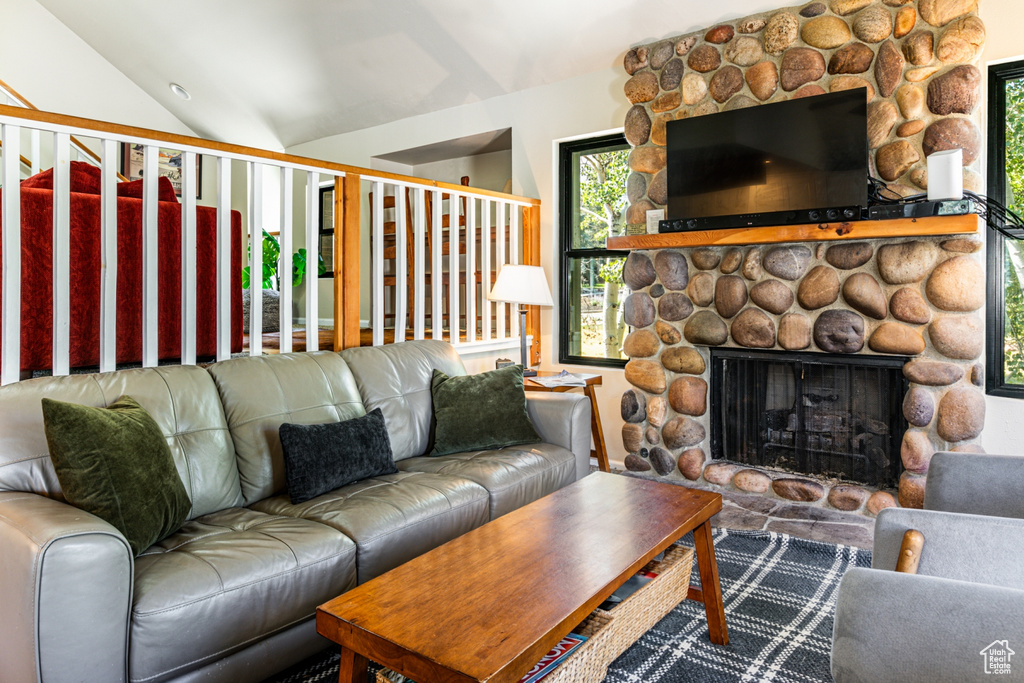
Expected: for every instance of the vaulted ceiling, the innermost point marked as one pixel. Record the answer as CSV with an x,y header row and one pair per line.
x,y
273,73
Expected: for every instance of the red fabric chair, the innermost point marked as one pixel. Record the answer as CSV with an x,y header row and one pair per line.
x,y
37,272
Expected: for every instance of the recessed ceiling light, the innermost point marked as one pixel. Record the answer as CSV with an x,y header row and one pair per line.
x,y
180,92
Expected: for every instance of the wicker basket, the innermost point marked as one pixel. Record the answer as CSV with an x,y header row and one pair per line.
x,y
609,634
637,614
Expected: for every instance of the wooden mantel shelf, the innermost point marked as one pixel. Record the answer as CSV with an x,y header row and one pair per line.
x,y
812,232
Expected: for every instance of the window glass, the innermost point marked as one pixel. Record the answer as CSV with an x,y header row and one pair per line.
x,y
1005,372
593,208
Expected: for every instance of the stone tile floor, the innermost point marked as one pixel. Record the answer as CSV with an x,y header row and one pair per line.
x,y
748,512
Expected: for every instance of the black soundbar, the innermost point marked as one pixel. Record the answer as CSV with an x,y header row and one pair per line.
x,y
844,213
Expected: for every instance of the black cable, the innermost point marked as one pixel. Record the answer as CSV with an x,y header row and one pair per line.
x,y
998,217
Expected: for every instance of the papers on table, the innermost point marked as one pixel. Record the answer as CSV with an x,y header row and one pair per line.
x,y
562,379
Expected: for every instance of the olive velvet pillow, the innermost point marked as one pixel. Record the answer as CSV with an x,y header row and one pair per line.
x,y
115,463
480,412
322,457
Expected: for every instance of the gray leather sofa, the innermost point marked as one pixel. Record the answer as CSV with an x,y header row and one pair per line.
x,y
232,595
968,593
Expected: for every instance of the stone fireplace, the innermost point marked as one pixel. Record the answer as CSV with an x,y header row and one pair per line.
x,y
909,304
821,414
906,304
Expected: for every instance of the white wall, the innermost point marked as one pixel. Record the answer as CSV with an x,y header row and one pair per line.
x,y
486,171
588,105
1005,43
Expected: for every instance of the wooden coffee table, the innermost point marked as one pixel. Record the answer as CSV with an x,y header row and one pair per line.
x,y
488,605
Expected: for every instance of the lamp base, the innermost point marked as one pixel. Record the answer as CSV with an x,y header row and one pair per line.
x,y
529,372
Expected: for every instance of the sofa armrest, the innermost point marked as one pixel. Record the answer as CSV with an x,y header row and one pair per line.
x,y
910,628
564,420
976,483
972,548
66,591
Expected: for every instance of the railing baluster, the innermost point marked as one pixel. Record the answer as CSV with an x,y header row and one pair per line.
x,y
61,254
377,264
436,272
454,271
224,247
255,259
312,254
485,268
108,256
188,258
514,258
150,258
499,262
401,258
34,146
419,232
287,242
10,327
470,269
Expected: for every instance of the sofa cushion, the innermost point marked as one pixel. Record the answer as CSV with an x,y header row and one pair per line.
x,y
513,476
226,581
396,378
323,457
114,462
480,412
395,517
260,393
182,399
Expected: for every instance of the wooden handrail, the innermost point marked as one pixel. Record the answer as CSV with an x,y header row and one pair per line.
x,y
172,139
74,141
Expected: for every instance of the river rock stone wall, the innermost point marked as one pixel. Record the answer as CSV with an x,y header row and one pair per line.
x,y
920,298
917,62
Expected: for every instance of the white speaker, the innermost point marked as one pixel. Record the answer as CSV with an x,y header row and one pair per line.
x,y
946,175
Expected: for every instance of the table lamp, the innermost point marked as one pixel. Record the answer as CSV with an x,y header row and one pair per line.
x,y
526,286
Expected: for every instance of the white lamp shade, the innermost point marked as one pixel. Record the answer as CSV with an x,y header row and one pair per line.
x,y
526,285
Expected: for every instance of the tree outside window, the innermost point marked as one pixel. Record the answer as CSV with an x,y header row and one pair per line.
x,y
593,207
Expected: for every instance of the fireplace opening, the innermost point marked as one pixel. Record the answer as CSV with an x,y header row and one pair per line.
x,y
811,413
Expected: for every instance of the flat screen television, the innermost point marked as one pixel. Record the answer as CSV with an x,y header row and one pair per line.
x,y
799,161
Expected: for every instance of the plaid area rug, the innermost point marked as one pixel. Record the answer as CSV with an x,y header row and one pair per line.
x,y
779,593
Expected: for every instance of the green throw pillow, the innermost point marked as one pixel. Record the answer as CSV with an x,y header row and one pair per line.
x,y
115,463
480,412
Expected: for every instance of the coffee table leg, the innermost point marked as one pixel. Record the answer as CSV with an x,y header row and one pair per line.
x,y
353,667
712,591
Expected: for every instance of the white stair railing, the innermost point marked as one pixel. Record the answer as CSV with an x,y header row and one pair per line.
x,y
489,239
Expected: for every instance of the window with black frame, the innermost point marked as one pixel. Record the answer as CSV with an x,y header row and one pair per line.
x,y
592,207
1005,329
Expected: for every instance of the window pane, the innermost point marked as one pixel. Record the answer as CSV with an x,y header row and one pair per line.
x,y
599,197
1013,254
595,298
1013,325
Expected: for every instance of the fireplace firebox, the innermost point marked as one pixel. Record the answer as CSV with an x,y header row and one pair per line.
x,y
819,414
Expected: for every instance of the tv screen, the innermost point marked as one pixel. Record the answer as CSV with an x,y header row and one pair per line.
x,y
771,164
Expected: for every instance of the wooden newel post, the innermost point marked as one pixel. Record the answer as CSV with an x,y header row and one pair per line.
x,y
346,261
531,257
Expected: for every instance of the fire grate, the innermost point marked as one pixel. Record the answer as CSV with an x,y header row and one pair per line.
x,y
811,413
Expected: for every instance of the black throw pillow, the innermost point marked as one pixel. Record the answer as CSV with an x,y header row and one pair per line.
x,y
322,457
480,412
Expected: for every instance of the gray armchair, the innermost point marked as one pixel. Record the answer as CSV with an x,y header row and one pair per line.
x,y
967,596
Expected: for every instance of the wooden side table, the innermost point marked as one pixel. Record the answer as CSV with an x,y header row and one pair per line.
x,y
599,451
